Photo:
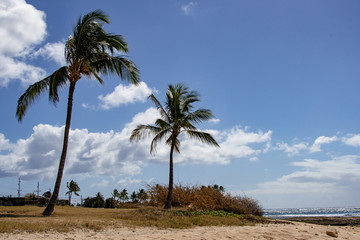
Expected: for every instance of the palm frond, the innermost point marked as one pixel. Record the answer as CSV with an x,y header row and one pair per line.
x,y
94,73
158,105
177,143
57,80
97,15
199,116
161,123
70,49
89,34
117,42
30,95
122,66
188,100
186,125
157,139
143,131
203,137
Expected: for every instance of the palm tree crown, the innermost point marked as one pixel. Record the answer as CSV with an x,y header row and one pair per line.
x,y
88,52
177,116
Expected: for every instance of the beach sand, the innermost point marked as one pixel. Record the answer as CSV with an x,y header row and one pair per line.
x,y
298,231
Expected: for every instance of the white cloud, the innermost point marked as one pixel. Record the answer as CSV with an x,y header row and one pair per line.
x,y
214,120
352,140
324,180
13,69
53,51
296,148
128,181
4,143
147,117
291,149
125,94
100,154
111,153
22,27
316,147
188,9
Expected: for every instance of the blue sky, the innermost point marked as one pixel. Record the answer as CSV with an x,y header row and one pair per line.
x,y
281,77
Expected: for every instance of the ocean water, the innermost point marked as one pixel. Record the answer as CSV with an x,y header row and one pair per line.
x,y
312,212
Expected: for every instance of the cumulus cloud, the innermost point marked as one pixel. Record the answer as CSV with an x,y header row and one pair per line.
x,y
100,154
128,181
296,148
52,51
214,120
147,117
291,149
22,27
11,69
4,143
111,153
325,180
316,147
188,9
352,140
123,94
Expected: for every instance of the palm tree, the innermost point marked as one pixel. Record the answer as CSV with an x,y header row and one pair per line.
x,y
73,188
124,195
176,117
89,52
115,194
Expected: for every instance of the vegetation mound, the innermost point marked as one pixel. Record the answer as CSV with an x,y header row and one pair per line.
x,y
199,198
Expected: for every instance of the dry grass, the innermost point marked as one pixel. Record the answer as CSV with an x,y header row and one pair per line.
x,y
65,219
203,198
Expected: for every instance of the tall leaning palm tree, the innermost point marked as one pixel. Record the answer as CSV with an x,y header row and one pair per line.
x,y
89,52
176,117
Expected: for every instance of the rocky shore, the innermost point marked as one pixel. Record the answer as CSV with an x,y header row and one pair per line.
x,y
332,221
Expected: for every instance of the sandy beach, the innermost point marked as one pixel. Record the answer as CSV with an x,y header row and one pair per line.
x,y
300,231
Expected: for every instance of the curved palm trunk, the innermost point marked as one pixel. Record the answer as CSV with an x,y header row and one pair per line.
x,y
51,205
171,178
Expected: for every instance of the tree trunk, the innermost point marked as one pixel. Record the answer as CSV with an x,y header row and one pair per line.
x,y
51,205
70,193
171,178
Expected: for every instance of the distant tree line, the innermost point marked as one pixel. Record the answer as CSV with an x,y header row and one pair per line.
x,y
118,199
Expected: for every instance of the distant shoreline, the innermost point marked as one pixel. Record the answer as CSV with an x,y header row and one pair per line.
x,y
332,221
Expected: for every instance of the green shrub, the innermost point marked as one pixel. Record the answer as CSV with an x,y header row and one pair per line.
x,y
95,202
110,203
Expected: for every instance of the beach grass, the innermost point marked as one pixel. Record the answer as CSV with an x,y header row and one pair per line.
x,y
17,219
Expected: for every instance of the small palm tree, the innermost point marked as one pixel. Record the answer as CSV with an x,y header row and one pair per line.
x,y
124,195
142,195
115,194
73,188
89,52
176,117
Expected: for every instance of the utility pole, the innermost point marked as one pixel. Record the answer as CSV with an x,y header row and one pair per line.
x,y
38,190
19,190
